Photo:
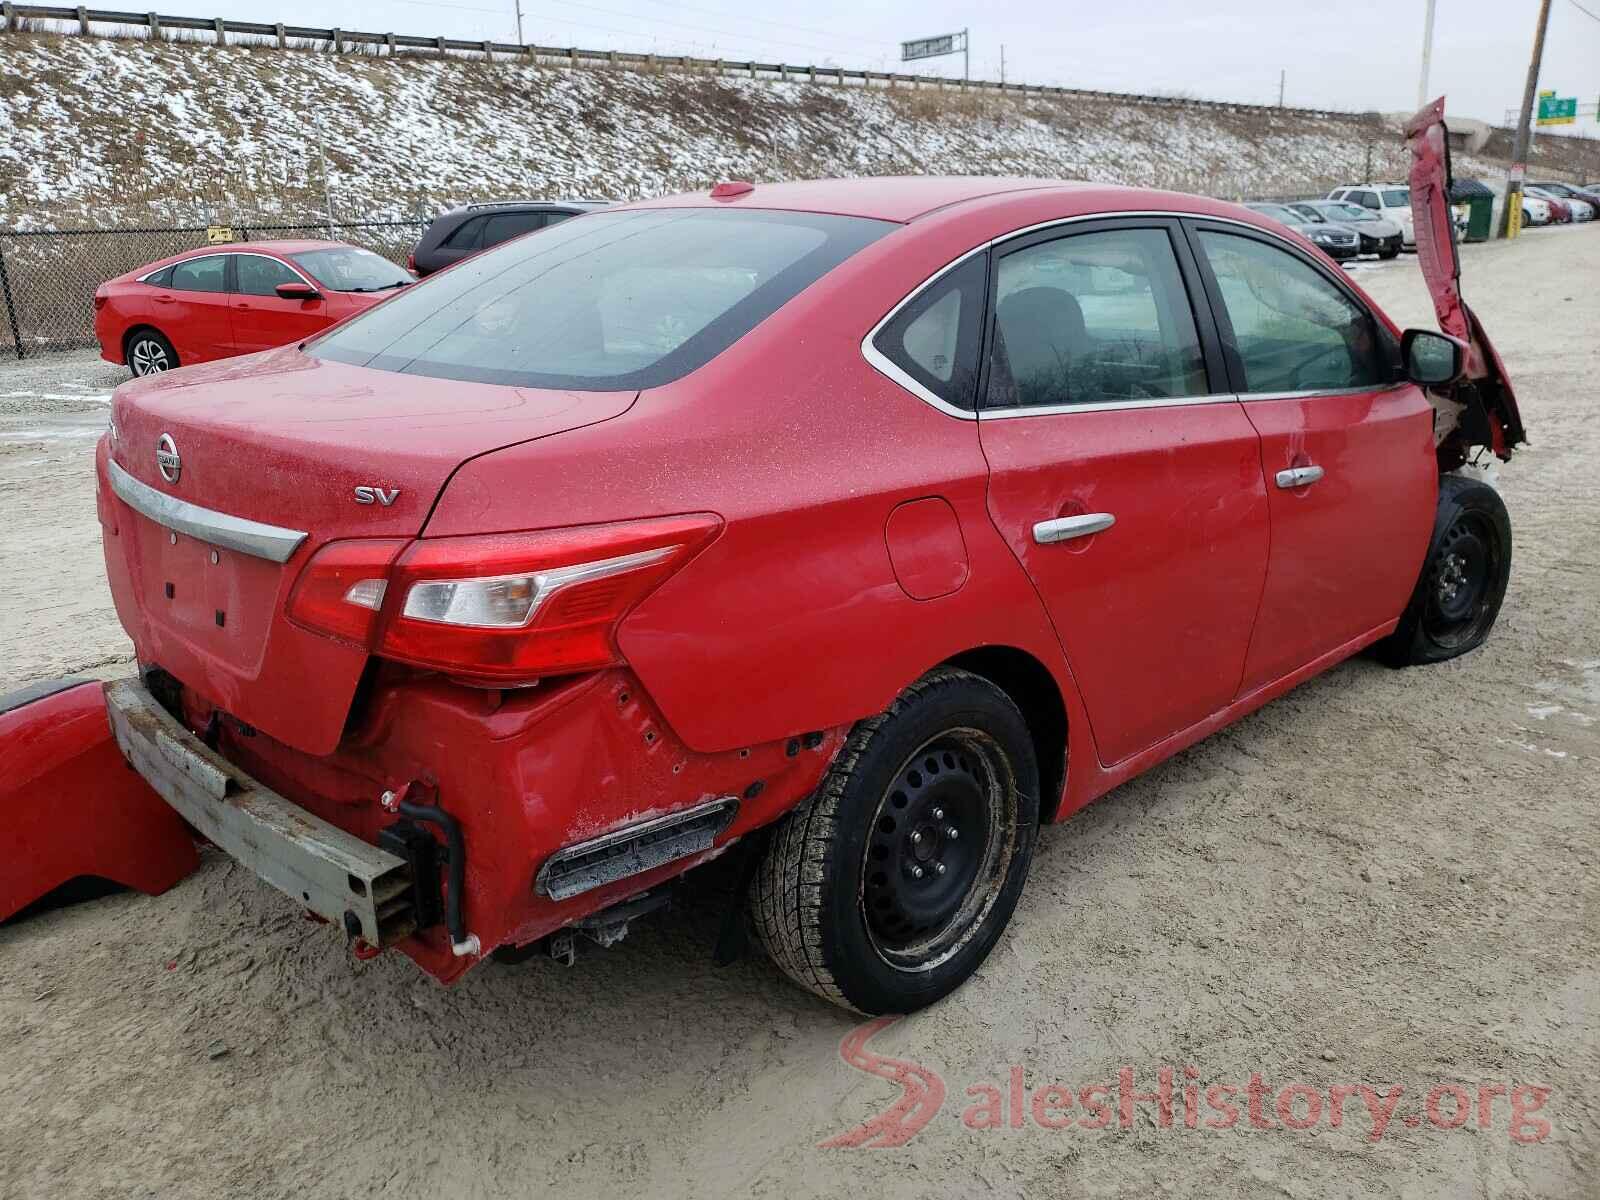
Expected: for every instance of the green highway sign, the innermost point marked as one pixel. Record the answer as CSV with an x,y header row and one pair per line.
x,y
1557,110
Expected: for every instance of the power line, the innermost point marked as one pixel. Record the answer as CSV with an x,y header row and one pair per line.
x,y
1591,15
721,12
612,12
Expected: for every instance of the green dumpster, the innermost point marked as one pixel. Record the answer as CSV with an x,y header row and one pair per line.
x,y
1475,197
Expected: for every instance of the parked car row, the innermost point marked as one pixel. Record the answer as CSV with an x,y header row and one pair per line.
x,y
1557,203
1354,219
220,301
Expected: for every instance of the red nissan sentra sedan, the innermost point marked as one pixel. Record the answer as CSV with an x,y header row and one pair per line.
x,y
235,299
859,526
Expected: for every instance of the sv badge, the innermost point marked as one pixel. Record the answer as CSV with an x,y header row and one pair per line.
x,y
376,495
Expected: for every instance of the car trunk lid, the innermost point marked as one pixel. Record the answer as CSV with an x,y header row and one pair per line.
x,y
1490,416
224,466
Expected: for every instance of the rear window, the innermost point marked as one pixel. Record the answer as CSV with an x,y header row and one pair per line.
x,y
615,302
347,269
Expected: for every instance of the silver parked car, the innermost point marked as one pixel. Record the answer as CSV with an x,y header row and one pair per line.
x,y
1378,235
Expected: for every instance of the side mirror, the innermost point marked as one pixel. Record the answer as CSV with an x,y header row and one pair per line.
x,y
1432,359
298,291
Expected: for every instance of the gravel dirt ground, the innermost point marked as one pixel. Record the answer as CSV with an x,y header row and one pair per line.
x,y
1388,879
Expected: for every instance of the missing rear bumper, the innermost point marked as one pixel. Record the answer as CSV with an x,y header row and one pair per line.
x,y
364,890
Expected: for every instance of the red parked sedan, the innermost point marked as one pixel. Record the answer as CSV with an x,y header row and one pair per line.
x,y
235,299
858,527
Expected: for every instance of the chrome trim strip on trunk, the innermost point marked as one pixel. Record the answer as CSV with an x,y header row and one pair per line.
x,y
271,542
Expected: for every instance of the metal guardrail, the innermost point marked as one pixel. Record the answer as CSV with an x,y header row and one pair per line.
x,y
343,39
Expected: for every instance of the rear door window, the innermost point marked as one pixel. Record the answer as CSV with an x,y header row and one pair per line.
x,y
1365,199
1093,318
617,301
468,234
208,274
502,227
1293,330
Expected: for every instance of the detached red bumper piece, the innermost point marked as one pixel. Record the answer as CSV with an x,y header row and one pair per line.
x,y
70,806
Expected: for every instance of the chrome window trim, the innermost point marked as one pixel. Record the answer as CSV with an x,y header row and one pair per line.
x,y
271,542
880,362
885,366
183,262
1056,410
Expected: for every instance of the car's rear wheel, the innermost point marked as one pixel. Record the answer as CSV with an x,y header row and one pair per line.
x,y
889,886
1463,579
149,353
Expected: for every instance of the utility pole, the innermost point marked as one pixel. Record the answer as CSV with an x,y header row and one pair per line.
x,y
1002,64
966,55
1519,147
1427,56
520,42
1283,75
327,188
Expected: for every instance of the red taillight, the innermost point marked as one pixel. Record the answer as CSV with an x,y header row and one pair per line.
x,y
498,608
99,301
411,262
512,607
342,589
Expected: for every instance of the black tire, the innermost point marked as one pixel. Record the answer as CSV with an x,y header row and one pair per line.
x,y
149,353
837,902
1395,253
1463,580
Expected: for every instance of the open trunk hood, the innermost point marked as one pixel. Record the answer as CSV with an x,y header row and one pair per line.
x,y
1488,413
259,451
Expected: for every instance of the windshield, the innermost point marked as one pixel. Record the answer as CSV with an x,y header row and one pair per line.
x,y
347,269
1308,213
1349,212
1279,213
614,302
1396,197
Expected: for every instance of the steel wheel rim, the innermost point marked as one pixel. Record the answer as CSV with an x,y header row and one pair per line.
x,y
1461,583
149,358
916,923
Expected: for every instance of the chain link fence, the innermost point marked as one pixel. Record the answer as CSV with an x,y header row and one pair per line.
x,y
48,277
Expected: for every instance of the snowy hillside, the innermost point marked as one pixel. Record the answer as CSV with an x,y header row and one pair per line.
x,y
102,131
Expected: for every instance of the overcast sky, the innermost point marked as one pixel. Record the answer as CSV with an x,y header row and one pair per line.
x,y
1355,54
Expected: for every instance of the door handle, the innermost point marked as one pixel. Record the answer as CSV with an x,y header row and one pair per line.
x,y
1298,477
1064,529
164,299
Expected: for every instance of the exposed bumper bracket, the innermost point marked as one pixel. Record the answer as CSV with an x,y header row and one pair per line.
x,y
362,889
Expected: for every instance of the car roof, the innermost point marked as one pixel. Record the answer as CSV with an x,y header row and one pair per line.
x,y
898,198
502,205
278,247
962,198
